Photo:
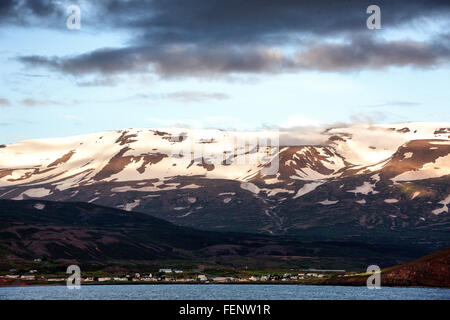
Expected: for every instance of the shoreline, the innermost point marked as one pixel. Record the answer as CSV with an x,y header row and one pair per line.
x,y
212,283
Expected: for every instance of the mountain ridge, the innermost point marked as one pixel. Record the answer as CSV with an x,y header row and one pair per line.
x,y
392,178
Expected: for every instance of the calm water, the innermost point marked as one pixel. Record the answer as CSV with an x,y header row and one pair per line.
x,y
225,292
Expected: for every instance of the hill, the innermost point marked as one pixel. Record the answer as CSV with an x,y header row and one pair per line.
x,y
432,270
97,238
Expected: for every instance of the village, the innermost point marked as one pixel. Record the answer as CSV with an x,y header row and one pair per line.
x,y
169,275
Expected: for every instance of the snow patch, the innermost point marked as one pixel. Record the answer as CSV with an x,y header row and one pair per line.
x,y
391,200
445,202
307,188
273,192
365,188
227,194
132,205
328,202
250,187
34,193
192,200
407,155
92,200
439,168
39,206
227,200
191,186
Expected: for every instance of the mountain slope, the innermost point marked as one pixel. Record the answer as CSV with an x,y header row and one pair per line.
x,y
361,181
432,270
96,237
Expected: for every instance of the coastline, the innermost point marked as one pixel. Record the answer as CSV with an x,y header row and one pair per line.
x,y
324,284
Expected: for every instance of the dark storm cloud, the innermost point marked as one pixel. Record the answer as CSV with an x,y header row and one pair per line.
x,y
367,53
6,7
21,11
271,21
175,38
173,61
225,21
166,61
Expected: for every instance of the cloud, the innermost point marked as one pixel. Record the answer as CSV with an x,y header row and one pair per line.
x,y
368,117
4,102
181,96
72,117
22,12
395,104
255,21
166,61
357,53
173,38
369,53
98,82
299,121
30,102
193,96
204,122
222,21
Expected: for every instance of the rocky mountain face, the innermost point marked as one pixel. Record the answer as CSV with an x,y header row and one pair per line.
x,y
380,183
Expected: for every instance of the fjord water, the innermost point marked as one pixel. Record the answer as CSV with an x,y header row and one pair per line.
x,y
220,292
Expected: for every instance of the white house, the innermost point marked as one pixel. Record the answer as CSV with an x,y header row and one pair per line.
x,y
104,279
165,270
202,277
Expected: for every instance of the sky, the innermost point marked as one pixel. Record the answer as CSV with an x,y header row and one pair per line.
x,y
237,65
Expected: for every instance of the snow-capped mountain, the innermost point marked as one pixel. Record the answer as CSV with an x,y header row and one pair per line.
x,y
368,175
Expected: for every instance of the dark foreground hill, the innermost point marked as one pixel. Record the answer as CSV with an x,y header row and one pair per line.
x,y
432,270
97,237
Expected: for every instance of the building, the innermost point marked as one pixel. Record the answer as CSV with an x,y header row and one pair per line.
x,y
202,277
311,274
165,270
219,279
56,279
121,279
28,277
104,279
148,279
